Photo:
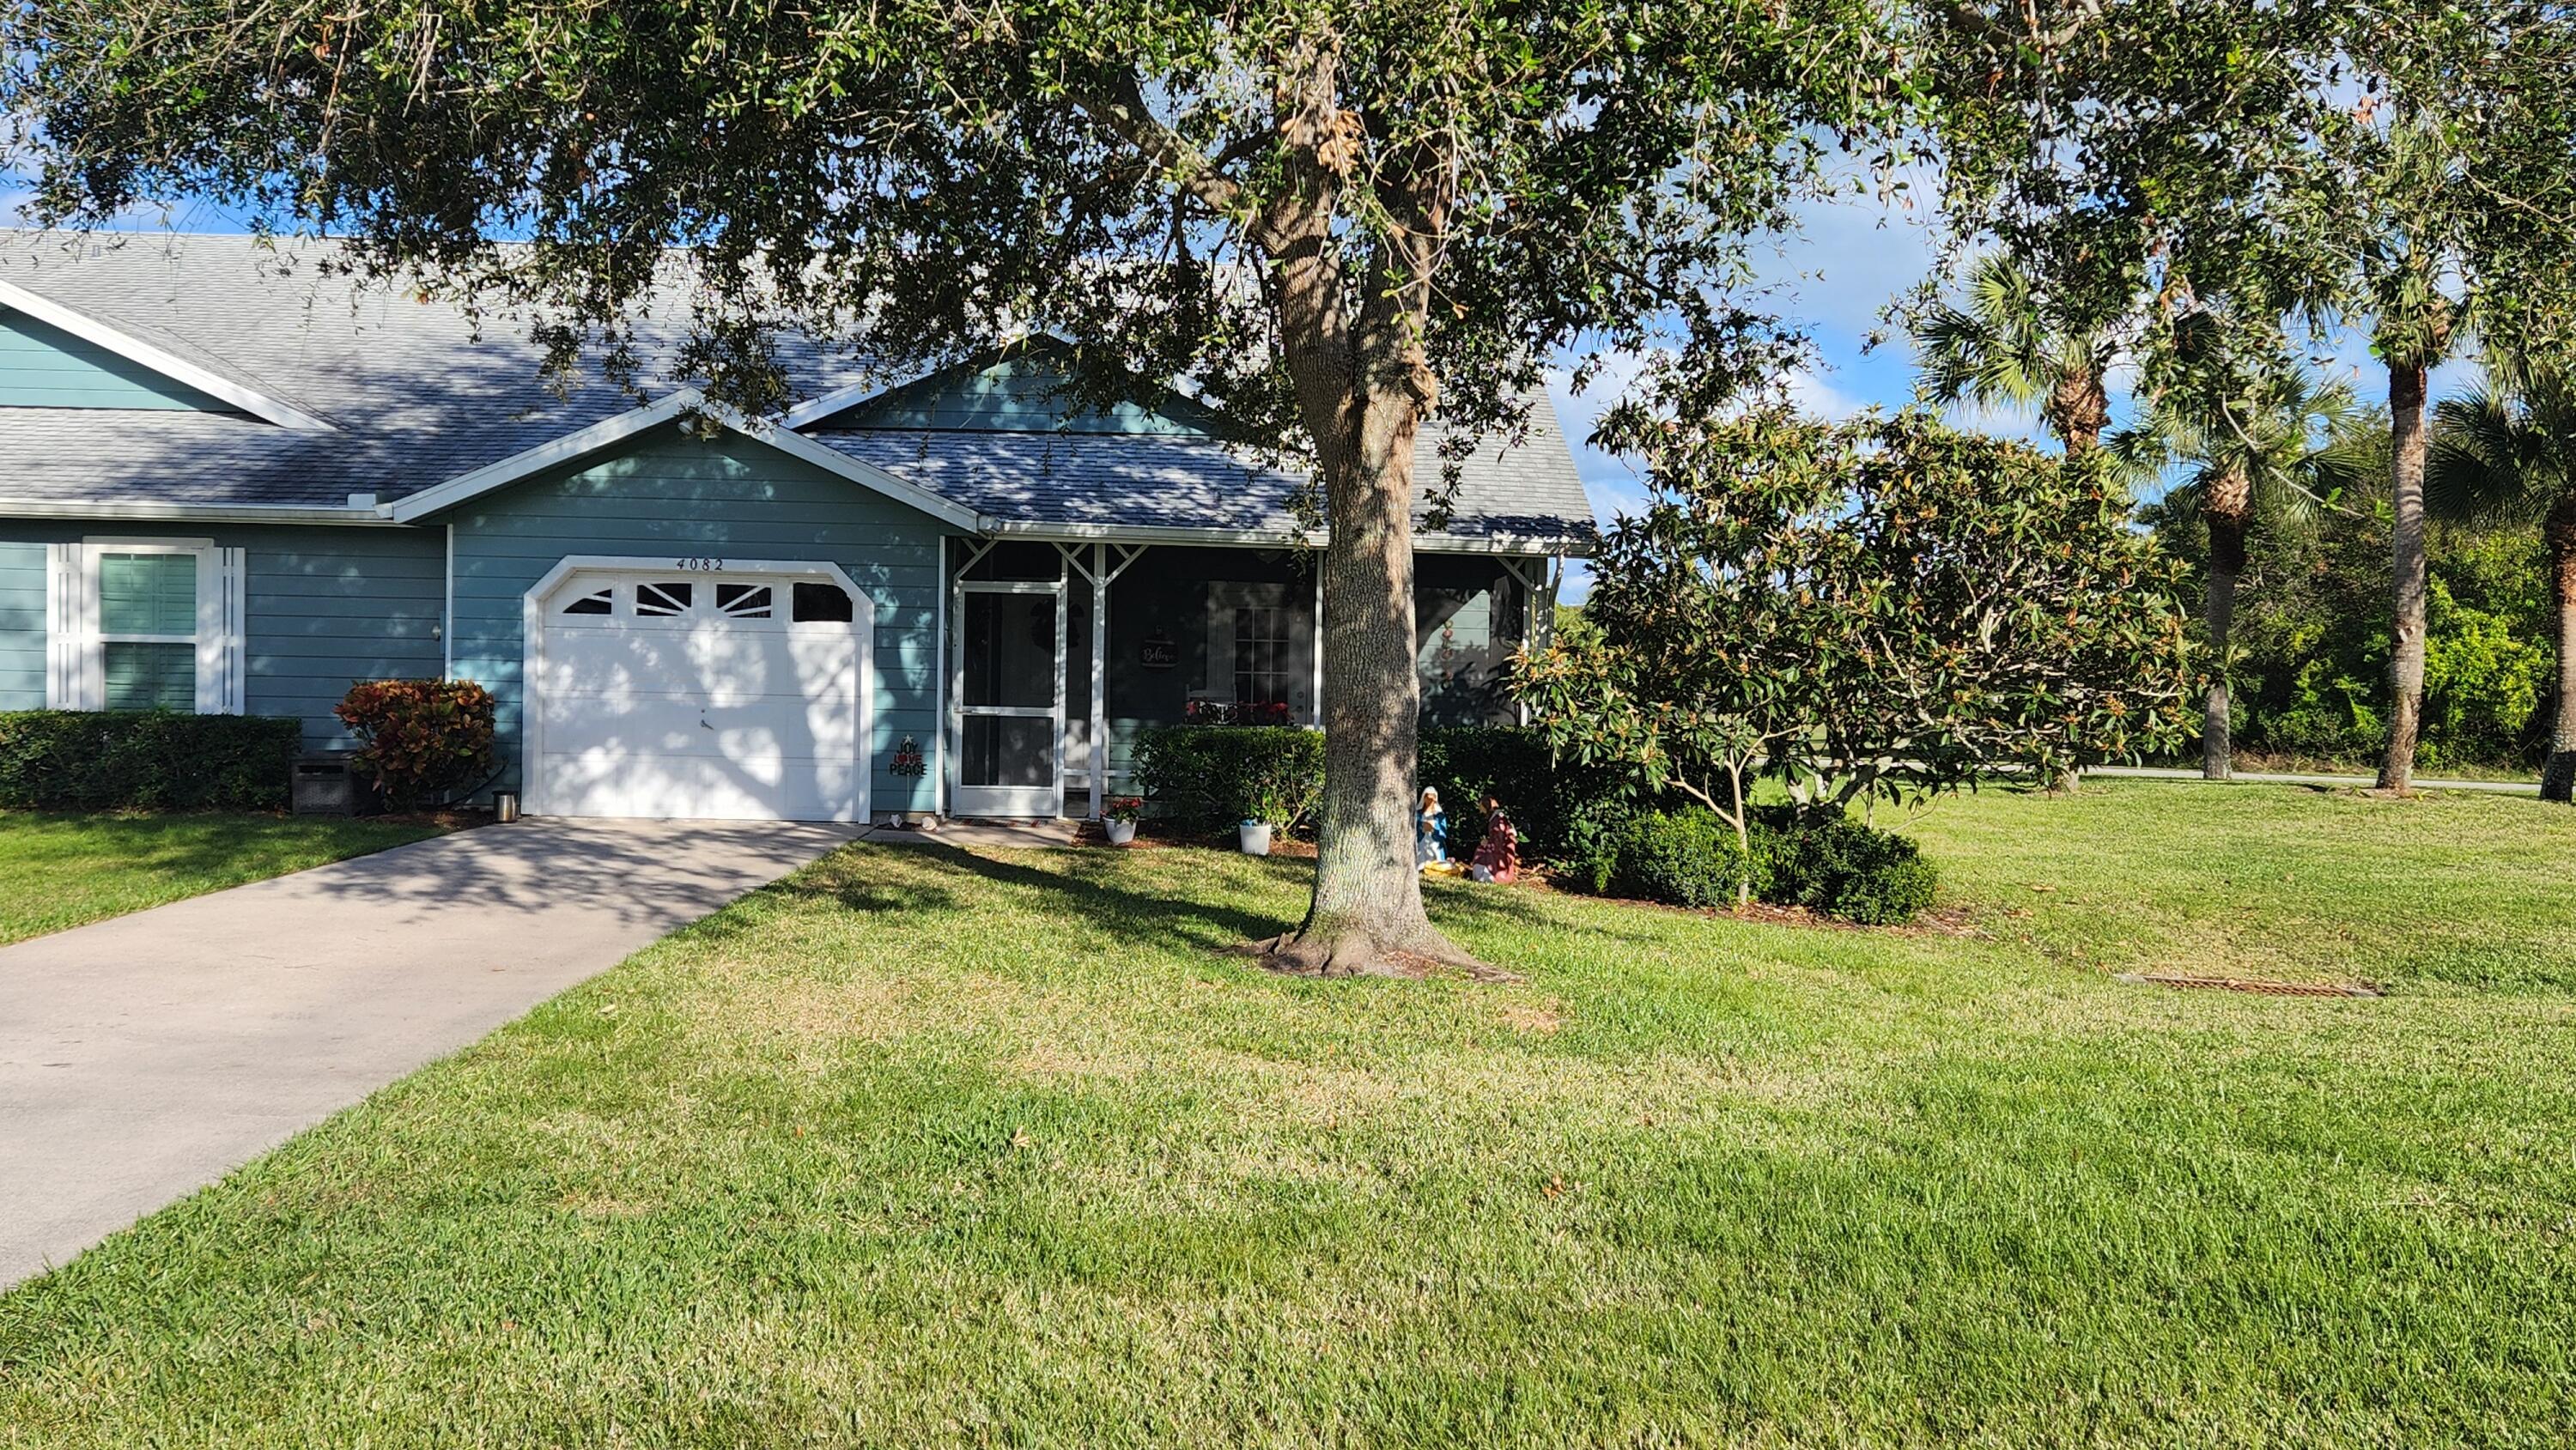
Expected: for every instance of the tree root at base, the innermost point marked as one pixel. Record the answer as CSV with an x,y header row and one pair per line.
x,y
1355,954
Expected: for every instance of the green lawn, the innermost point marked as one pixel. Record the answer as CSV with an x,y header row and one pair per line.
x,y
918,1147
61,870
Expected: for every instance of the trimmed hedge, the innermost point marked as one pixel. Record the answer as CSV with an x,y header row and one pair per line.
x,y
94,760
1688,857
1209,777
1828,862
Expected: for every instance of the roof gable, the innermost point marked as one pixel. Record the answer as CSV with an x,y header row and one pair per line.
x,y
1028,389
161,357
42,366
612,433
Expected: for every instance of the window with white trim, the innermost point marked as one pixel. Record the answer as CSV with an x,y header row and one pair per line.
x,y
1260,645
145,624
147,630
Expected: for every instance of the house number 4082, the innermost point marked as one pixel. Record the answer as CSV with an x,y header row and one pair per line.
x,y
699,566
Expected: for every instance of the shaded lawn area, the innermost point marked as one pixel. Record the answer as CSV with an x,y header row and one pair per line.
x,y
921,1147
63,869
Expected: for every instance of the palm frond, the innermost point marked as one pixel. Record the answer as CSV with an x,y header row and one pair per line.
x,y
2485,461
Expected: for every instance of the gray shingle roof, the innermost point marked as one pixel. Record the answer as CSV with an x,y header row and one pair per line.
x,y
418,395
1092,479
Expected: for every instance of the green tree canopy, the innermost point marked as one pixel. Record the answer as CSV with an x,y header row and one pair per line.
x,y
1338,216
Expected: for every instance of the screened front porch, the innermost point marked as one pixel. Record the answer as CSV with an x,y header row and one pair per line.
x,y
1044,704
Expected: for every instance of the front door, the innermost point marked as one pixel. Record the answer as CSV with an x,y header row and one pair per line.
x,y
1010,756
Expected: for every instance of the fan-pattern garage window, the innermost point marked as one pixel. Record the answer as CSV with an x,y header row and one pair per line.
x,y
743,601
1261,666
602,602
821,604
662,600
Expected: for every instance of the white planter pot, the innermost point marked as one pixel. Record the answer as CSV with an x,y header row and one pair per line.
x,y
1120,832
1255,837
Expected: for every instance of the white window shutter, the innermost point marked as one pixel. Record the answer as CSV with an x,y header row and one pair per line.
x,y
221,633
67,629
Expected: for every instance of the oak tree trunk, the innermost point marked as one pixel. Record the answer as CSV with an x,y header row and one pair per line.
x,y
1368,892
1353,345
2558,777
2226,563
2406,383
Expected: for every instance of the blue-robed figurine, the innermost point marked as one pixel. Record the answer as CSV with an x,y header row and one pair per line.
x,y
1430,831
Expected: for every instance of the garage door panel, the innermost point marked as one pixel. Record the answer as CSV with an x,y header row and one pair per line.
x,y
695,716
675,723
727,664
592,784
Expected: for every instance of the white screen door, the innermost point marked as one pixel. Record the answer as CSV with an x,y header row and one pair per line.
x,y
1010,757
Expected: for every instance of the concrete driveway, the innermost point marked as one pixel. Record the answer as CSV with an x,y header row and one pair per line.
x,y
145,1057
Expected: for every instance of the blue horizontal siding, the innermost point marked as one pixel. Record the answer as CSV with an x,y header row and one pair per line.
x,y
45,367
22,626
324,608
329,607
671,495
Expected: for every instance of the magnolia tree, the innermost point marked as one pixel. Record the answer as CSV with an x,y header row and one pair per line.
x,y
1343,218
1884,608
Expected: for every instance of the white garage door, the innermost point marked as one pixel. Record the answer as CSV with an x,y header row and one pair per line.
x,y
730,694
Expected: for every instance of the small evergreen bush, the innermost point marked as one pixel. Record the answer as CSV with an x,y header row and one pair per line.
x,y
1587,855
1828,862
97,760
1685,857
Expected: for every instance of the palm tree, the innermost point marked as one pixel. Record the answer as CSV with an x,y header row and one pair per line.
x,y
2002,350
2505,453
2267,442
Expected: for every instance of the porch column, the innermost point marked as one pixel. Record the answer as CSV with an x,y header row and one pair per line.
x,y
1099,675
1315,697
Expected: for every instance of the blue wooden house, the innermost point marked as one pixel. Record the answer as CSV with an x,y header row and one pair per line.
x,y
230,481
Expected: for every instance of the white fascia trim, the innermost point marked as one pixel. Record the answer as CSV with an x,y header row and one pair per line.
x,y
510,470
1270,538
169,365
796,445
215,513
610,431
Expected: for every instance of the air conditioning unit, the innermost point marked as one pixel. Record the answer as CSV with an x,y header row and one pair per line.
x,y
325,786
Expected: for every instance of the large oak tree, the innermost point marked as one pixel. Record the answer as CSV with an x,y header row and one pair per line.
x,y
1343,218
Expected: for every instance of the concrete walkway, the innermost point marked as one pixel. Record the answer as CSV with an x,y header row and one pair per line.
x,y
145,1057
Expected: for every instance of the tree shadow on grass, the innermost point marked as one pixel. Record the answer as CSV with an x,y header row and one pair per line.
x,y
1129,915
1507,907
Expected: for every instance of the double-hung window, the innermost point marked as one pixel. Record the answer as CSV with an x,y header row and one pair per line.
x,y
147,629
146,624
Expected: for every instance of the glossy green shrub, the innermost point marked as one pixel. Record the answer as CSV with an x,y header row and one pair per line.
x,y
1209,777
1830,863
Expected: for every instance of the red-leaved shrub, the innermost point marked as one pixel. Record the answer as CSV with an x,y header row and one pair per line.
x,y
421,740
